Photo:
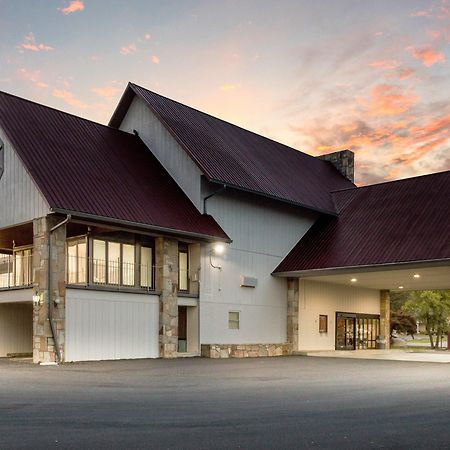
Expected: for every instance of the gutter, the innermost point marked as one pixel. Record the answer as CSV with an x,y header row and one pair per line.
x,y
374,267
138,225
221,189
50,305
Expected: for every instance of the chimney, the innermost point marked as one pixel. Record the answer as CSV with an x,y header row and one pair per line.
x,y
344,161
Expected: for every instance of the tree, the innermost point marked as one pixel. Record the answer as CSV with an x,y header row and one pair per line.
x,y
403,323
431,308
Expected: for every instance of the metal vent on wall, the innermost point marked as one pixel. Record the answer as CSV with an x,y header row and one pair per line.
x,y
248,281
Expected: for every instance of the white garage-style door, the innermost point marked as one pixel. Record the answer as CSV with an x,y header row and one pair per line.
x,y
103,325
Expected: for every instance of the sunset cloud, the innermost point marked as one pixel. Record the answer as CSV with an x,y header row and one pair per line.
x,y
31,44
127,49
73,6
385,64
155,59
227,87
388,100
69,98
427,55
108,92
33,76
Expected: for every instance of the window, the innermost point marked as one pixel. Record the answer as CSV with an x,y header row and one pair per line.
x,y
146,267
183,268
99,261
2,158
233,320
76,261
113,263
128,265
323,323
22,267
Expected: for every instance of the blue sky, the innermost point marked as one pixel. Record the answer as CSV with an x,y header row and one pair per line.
x,y
317,75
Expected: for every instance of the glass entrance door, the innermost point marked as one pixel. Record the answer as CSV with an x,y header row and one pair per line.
x,y
345,332
357,331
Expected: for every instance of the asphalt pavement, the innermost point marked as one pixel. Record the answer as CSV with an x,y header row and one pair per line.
x,y
268,403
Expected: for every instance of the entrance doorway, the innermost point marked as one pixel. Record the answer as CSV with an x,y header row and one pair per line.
x,y
182,329
356,331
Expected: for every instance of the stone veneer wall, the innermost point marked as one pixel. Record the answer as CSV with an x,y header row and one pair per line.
x,y
43,343
385,317
245,350
292,312
167,282
344,161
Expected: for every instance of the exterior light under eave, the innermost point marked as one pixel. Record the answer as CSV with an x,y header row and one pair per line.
x,y
219,248
416,275
354,280
401,287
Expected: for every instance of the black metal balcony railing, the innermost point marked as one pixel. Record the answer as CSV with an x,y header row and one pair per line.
x,y
16,271
118,274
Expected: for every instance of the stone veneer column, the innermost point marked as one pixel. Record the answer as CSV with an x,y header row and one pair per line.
x,y
43,343
385,317
292,312
167,281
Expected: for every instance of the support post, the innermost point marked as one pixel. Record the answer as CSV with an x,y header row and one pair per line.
x,y
292,313
385,318
167,283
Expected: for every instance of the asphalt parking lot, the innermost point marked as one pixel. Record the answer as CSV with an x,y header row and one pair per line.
x,y
267,403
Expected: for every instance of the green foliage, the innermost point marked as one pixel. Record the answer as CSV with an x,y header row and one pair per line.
x,y
398,299
431,308
403,323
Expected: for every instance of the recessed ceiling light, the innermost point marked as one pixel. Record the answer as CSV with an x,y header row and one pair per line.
x,y
416,275
353,280
401,287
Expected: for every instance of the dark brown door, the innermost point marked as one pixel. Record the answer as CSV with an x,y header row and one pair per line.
x,y
182,328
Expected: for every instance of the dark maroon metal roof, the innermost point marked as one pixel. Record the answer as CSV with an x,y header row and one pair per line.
x,y
394,222
230,155
82,166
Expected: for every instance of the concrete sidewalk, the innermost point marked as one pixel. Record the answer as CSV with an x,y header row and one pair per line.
x,y
388,355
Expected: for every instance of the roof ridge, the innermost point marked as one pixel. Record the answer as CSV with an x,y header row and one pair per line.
x,y
60,111
228,123
390,181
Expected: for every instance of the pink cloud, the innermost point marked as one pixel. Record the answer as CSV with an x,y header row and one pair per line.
x,y
73,6
69,98
388,100
427,55
385,64
108,92
127,49
34,76
155,59
31,44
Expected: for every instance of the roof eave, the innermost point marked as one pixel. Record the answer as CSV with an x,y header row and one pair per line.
x,y
361,268
142,226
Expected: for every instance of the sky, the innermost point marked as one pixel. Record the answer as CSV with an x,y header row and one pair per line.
x,y
318,75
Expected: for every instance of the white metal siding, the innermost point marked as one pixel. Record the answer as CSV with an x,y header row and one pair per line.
x,y
16,328
317,298
20,200
262,235
164,146
104,325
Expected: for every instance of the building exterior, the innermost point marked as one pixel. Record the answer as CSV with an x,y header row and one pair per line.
x,y
172,233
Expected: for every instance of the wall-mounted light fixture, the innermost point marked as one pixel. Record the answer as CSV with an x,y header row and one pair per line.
x,y
219,248
37,299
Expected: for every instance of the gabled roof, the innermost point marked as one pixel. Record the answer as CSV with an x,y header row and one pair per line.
x,y
83,167
394,222
230,155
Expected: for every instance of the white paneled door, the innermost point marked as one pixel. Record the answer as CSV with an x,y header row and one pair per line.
x,y
103,325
